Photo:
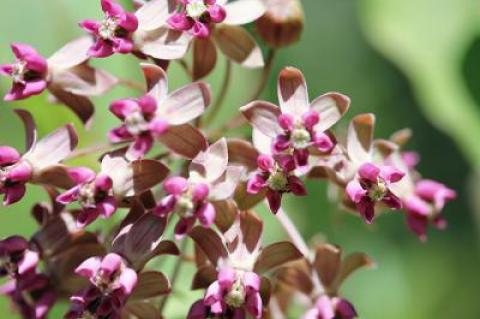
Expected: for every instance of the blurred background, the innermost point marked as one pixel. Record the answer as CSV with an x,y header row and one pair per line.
x,y
413,63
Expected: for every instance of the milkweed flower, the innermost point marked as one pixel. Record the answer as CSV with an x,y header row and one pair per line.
x,y
331,308
16,257
114,33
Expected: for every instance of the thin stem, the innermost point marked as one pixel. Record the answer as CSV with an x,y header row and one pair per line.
x,y
221,95
131,84
89,150
238,121
176,272
293,232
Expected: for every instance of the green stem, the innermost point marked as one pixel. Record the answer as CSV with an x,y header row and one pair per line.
x,y
214,110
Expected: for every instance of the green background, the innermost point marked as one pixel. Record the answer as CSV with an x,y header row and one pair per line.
x,y
413,63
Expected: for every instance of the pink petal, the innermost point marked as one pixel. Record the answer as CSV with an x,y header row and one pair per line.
x,y
264,116
244,11
128,280
186,103
366,208
175,185
286,162
6,69
255,184
141,146
286,121
252,281
200,30
217,13
8,155
29,262
369,172
274,200
100,49
206,214
22,172
123,108
69,196
147,104
158,127
355,191
391,174
91,26
180,22
122,45
296,186
310,119
265,162
325,308
344,308
103,182
226,277
89,267
81,175
110,264
112,8
129,22
200,192
392,201
166,206
183,227
107,207
254,305
214,291
87,216
323,142
119,134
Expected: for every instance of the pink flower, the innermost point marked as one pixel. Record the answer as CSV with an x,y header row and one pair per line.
x,y
276,176
114,33
426,205
296,127
32,295
197,16
210,180
14,174
234,294
28,73
111,283
16,257
372,186
93,192
158,113
331,308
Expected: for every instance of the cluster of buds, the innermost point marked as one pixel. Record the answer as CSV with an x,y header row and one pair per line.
x,y
205,186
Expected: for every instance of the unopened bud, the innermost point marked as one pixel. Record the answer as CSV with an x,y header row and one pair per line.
x,y
282,23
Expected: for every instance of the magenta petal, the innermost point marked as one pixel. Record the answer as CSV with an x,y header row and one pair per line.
x,y
416,205
29,262
89,267
87,216
6,69
200,30
281,143
392,201
103,182
391,174
110,264
418,225
366,208
345,309
123,108
286,121
183,227
301,157
198,311
217,13
166,206
296,186
158,127
226,277
254,305
310,119
265,162
69,196
274,200
81,175
128,280
175,185
214,293
91,26
22,172
355,191
200,192
141,146
147,104
252,281
206,214
34,87
100,49
122,45
13,194
286,162
323,142
112,8
325,308
8,155
129,22
107,207
180,22
434,191
119,134
255,184
369,172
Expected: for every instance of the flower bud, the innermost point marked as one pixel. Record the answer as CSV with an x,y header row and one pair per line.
x,y
282,23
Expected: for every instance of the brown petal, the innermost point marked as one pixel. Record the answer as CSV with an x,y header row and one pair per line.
x,y
164,43
184,140
360,136
154,14
265,290
276,255
80,105
263,116
352,263
243,11
245,200
292,92
156,79
204,57
210,243
331,107
166,247
141,310
252,228
30,128
55,175
204,277
239,46
185,104
327,263
53,148
401,137
70,55
297,278
385,147
150,284
243,153
84,80
226,212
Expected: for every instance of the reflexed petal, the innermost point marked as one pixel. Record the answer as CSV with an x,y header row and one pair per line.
x,y
175,185
165,44
416,205
184,140
212,163
204,57
274,200
198,311
366,208
360,137
254,305
75,52
292,92
243,11
89,267
296,186
330,107
154,14
13,194
81,175
263,116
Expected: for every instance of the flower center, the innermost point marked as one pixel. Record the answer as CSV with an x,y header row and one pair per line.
x,y
136,123
236,295
300,138
184,206
104,283
18,71
196,8
88,315
87,195
278,181
378,191
108,28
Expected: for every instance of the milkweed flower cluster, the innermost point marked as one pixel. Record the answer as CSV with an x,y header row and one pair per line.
x,y
204,186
